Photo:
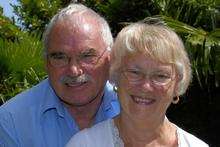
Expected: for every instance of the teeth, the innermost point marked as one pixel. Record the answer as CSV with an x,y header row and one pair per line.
x,y
142,100
74,84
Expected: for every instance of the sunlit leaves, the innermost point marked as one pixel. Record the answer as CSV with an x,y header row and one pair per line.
x,y
21,64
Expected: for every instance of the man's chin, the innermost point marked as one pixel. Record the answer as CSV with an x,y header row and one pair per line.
x,y
79,102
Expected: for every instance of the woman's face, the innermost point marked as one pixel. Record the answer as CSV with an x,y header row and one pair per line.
x,y
146,87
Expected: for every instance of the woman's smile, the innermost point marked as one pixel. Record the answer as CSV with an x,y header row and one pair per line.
x,y
142,101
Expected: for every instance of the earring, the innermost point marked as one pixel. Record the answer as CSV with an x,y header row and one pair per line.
x,y
115,88
176,100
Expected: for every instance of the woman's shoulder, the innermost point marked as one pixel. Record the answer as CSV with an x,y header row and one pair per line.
x,y
94,136
98,130
186,139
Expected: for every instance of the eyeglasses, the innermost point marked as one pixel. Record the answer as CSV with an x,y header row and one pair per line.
x,y
86,58
158,78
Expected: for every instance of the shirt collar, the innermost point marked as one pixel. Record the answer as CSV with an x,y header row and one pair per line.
x,y
109,97
51,100
110,105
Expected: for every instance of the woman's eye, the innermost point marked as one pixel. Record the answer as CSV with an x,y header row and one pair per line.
x,y
133,74
161,77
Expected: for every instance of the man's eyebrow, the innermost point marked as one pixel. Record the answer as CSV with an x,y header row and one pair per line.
x,y
90,50
56,53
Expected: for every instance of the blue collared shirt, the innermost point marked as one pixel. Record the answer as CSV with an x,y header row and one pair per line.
x,y
37,118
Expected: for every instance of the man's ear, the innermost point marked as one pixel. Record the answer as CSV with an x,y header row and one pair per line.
x,y
108,56
108,52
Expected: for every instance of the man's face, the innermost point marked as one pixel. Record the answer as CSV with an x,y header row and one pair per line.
x,y
83,76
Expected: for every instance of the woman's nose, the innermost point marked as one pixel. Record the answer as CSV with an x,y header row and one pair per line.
x,y
147,85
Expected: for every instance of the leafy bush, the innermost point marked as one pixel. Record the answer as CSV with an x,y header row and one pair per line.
x,y
35,14
21,64
203,48
8,30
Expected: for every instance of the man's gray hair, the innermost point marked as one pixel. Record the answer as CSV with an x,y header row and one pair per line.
x,y
78,8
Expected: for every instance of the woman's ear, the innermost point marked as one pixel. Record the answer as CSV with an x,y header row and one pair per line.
x,y
178,83
179,71
178,78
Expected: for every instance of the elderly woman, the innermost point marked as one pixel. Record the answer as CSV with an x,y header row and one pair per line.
x,y
151,69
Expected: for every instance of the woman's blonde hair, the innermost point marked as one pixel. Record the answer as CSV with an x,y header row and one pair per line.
x,y
155,40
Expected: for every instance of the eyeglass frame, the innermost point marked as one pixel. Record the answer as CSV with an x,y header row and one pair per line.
x,y
143,76
68,59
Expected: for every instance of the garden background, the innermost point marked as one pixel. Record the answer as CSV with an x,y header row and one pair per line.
x,y
196,21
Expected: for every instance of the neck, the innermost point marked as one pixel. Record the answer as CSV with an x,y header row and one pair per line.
x,y
135,132
85,115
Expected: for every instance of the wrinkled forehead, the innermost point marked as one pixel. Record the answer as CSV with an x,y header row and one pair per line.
x,y
77,24
141,57
146,63
76,34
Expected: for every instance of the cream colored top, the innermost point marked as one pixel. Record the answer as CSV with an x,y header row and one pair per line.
x,y
105,134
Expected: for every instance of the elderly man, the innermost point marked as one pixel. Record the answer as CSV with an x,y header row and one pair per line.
x,y
76,95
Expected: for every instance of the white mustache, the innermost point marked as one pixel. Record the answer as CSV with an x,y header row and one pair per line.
x,y
75,79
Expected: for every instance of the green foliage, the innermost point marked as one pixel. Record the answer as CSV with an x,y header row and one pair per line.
x,y
119,11
196,22
21,64
204,48
192,12
8,30
35,14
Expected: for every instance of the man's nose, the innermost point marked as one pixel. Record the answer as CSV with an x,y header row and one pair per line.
x,y
75,68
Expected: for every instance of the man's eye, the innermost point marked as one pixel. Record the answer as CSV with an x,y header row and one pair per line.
x,y
60,57
90,53
57,56
87,55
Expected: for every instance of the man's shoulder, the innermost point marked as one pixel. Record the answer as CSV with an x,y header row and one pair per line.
x,y
28,98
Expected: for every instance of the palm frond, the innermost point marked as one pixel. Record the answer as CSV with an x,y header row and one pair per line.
x,y
202,46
